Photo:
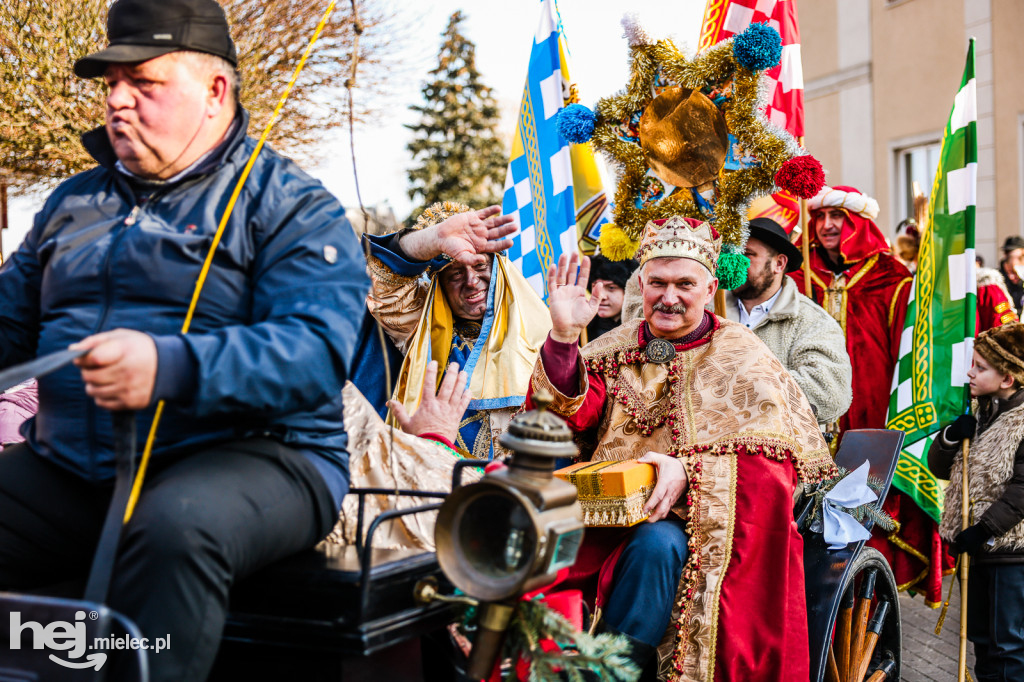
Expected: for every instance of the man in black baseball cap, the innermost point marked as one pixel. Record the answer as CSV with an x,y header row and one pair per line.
x,y
807,342
249,464
139,30
170,70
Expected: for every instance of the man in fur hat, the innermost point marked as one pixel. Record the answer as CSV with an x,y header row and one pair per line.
x,y
994,537
730,434
855,277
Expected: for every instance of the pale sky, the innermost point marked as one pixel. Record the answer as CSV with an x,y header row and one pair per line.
x,y
503,33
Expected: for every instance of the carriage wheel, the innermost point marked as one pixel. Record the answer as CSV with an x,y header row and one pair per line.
x,y
866,637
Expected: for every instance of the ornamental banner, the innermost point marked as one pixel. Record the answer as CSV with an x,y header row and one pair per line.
x,y
929,387
725,18
554,190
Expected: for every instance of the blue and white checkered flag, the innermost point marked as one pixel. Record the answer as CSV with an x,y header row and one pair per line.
x,y
539,184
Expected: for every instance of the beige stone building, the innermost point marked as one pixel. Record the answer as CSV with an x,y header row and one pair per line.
x,y
879,81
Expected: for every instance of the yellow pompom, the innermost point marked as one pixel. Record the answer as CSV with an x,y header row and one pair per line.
x,y
615,243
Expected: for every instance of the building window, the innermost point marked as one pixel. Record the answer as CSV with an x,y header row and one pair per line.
x,y
915,164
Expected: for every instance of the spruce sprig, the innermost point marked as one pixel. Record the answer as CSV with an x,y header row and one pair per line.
x,y
861,513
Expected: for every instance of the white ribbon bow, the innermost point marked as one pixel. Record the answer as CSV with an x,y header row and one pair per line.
x,y
840,527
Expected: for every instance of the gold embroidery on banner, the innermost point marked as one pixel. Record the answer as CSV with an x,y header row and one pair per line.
x,y
921,378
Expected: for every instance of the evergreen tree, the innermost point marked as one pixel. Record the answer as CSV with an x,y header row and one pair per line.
x,y
456,148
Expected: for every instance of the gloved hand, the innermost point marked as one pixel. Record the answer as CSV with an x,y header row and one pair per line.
x,y
962,427
971,539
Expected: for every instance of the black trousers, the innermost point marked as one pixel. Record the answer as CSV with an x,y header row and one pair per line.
x,y
995,620
201,523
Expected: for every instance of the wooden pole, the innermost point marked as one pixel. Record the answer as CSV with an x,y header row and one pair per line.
x,y
720,303
3,216
805,249
965,561
805,242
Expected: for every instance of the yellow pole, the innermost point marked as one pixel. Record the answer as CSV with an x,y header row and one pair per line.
x,y
805,241
805,248
964,562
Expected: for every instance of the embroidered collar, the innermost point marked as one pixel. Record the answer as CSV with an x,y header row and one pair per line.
x,y
699,336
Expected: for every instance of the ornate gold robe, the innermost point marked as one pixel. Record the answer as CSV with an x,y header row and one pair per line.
x,y
747,437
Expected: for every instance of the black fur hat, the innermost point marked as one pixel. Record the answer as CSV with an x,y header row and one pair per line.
x,y
617,271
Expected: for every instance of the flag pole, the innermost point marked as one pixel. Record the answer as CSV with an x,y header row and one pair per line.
x,y
805,240
965,560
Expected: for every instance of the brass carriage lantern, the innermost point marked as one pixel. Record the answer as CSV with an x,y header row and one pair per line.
x,y
514,529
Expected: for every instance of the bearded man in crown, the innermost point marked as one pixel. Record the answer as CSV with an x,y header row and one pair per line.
x,y
713,580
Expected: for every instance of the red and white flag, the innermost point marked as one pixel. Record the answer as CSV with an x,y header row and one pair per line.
x,y
725,18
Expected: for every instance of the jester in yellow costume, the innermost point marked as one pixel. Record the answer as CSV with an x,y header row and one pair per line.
x,y
442,291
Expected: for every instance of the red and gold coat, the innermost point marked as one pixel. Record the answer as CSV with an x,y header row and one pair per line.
x,y
747,436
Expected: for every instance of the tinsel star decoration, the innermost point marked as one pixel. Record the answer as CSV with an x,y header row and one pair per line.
x,y
763,158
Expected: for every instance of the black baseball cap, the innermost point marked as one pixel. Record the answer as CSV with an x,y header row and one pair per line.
x,y
143,29
772,234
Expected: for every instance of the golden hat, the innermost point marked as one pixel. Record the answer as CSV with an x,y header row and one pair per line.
x,y
684,137
680,237
438,213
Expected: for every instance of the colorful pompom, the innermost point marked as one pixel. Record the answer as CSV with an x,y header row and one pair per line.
x,y
576,123
615,243
802,176
732,268
758,47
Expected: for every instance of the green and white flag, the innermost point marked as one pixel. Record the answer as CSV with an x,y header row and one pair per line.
x,y
929,386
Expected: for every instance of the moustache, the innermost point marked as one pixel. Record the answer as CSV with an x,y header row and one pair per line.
x,y
677,308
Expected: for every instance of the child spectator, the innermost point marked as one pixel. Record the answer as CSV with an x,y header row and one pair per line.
x,y
613,276
994,537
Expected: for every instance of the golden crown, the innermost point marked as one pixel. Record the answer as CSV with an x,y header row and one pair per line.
x,y
680,237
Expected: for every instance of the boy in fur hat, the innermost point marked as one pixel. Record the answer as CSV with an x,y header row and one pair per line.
x,y
994,537
608,280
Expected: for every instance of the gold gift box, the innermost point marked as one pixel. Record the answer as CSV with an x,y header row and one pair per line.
x,y
611,493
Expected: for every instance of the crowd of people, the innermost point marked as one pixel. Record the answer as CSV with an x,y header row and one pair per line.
x,y
272,402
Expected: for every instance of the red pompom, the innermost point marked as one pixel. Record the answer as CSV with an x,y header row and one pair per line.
x,y
802,176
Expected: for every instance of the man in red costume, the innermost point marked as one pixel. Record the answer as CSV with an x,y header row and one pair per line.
x,y
856,278
714,578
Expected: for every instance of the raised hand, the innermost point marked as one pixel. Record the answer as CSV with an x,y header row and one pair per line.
x,y
439,413
466,237
571,310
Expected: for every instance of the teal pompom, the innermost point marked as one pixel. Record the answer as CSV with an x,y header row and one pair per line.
x,y
575,123
758,47
732,268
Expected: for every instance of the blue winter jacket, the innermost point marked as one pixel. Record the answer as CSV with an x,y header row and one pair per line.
x,y
273,335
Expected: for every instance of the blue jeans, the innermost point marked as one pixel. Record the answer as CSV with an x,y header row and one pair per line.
x,y
645,580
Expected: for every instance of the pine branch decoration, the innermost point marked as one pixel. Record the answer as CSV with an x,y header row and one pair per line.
x,y
605,655
861,513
